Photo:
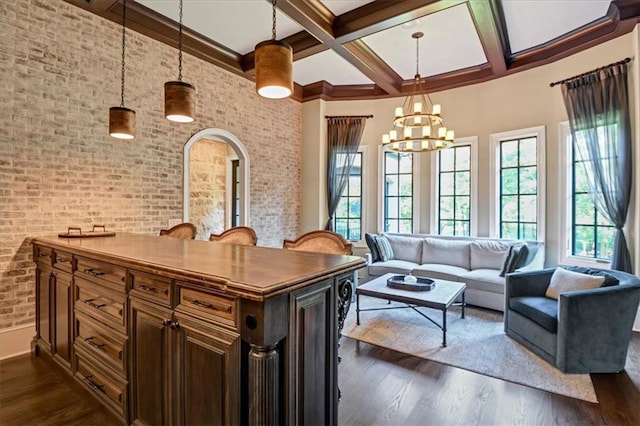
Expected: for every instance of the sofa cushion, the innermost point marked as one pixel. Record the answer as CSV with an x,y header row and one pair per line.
x,y
446,252
439,271
373,247
609,280
384,248
541,310
563,280
484,280
391,266
405,248
486,254
516,257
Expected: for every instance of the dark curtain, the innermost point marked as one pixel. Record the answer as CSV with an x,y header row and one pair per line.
x,y
598,108
344,134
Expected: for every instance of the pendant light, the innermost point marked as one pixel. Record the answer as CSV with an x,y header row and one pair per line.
x,y
179,97
274,65
122,120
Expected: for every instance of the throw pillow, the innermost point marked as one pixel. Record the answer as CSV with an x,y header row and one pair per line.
x,y
373,248
609,280
384,248
516,257
563,281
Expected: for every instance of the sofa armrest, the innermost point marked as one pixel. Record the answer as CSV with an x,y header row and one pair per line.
x,y
523,284
368,258
596,325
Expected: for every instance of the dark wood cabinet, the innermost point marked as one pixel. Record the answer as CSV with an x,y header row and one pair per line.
x,y
168,331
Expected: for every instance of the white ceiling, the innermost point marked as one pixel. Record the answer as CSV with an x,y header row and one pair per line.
x,y
450,42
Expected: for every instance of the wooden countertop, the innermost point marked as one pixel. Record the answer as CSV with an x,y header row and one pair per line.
x,y
252,272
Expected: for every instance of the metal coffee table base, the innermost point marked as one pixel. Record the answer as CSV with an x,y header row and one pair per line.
x,y
442,327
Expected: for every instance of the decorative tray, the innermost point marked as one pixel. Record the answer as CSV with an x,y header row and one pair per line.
x,y
76,232
422,284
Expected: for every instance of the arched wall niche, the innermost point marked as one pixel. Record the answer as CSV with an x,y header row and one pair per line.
x,y
240,153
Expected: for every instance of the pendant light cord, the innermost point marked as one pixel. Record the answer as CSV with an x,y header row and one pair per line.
x,y
417,56
273,28
180,45
124,42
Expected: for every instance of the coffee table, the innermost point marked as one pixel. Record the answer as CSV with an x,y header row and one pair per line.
x,y
441,297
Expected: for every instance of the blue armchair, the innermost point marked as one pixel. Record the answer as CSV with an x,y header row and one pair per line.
x,y
584,331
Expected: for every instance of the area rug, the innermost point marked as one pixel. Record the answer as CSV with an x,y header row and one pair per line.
x,y
476,343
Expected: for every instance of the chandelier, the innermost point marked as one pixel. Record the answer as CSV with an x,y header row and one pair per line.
x,y
418,125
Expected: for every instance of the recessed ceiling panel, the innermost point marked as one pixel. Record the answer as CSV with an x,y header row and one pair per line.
x,y
450,43
534,22
338,7
328,66
238,25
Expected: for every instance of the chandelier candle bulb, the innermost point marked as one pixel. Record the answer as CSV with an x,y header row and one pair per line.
x,y
407,132
449,136
399,112
395,146
426,132
385,139
417,120
442,132
425,145
417,107
393,135
409,145
436,109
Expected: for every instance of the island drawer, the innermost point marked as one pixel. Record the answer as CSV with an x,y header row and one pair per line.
x,y
105,385
102,272
151,286
101,303
43,254
63,261
218,307
101,341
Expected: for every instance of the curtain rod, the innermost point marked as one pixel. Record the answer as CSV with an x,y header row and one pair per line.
x,y
348,116
624,61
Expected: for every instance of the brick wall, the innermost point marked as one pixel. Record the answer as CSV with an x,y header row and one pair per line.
x,y
60,70
207,186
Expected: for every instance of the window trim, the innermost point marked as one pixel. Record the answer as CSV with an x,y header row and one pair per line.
x,y
566,205
471,141
416,191
228,196
494,189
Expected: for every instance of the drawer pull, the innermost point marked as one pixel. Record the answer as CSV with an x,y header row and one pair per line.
x,y
63,260
94,305
90,341
211,306
95,273
93,384
152,289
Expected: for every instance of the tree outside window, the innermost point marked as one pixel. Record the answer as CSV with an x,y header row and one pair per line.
x,y
398,192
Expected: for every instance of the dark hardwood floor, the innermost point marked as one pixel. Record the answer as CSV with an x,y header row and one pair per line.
x,y
379,387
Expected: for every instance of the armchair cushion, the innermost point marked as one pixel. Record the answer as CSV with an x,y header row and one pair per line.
x,y
541,310
563,280
609,280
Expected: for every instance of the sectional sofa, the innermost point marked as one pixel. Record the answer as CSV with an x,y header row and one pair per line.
x,y
478,262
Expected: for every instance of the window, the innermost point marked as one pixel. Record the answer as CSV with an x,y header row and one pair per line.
x,y
398,192
235,193
348,217
590,236
519,184
455,188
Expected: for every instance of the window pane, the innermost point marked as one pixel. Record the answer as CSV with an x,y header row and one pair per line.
x,y
528,180
529,231
406,226
510,208
406,185
528,154
509,230
446,184
354,208
392,226
602,220
584,213
462,228
392,208
446,207
447,160
528,210
406,163
463,184
606,238
584,242
580,182
462,208
342,209
354,186
406,207
463,158
392,187
341,227
509,154
509,181
446,227
391,162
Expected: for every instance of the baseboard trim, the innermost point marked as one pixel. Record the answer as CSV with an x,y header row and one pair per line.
x,y
16,341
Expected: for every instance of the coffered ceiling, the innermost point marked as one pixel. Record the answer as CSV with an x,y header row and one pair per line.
x,y
362,49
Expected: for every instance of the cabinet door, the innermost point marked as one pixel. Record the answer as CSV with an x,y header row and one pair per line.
x,y
206,386
43,313
312,352
62,317
150,366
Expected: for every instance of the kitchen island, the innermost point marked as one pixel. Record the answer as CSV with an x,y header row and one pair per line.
x,y
171,331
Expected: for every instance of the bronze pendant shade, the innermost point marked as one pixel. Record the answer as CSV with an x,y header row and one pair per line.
x,y
179,97
274,69
122,120
122,123
179,101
